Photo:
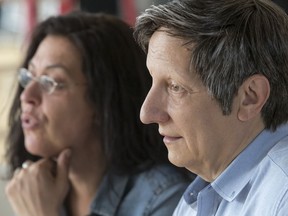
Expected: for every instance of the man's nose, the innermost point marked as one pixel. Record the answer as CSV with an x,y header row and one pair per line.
x,y
154,108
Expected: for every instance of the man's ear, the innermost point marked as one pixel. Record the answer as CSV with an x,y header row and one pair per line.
x,y
253,94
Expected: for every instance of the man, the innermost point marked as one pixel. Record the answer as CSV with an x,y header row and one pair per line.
x,y
220,99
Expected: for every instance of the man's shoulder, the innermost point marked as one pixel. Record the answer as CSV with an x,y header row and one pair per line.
x,y
278,157
184,209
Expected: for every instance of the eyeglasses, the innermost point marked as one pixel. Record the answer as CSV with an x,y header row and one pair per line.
x,y
47,84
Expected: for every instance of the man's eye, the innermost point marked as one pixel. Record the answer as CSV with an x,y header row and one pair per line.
x,y
175,88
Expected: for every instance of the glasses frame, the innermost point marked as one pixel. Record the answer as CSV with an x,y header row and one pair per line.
x,y
25,77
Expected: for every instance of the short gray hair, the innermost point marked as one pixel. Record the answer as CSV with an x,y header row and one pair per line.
x,y
232,40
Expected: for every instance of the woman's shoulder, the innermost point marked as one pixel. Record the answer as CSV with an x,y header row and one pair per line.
x,y
155,191
159,178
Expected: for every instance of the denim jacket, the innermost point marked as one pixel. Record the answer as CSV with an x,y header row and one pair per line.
x,y
154,192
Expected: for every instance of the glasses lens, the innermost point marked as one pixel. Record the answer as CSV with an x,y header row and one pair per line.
x,y
47,84
24,77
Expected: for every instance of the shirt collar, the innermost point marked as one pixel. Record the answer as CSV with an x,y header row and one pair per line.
x,y
236,176
109,196
191,193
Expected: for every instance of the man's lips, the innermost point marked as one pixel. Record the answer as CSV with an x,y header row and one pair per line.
x,y
29,121
170,139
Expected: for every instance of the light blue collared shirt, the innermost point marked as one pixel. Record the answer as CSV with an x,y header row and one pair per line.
x,y
254,184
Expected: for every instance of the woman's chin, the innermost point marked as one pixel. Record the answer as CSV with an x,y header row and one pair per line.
x,y
40,149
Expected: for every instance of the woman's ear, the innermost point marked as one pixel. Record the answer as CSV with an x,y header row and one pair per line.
x,y
253,93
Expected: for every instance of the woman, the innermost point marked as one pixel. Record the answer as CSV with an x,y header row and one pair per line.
x,y
75,128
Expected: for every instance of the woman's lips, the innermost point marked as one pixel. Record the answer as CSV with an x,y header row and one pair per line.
x,y
29,121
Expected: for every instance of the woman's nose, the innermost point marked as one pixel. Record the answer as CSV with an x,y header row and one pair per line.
x,y
31,94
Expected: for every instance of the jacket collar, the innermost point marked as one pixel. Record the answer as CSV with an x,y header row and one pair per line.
x,y
109,195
